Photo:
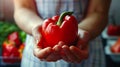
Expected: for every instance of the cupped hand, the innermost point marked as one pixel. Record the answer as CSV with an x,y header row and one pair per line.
x,y
74,54
48,53
78,52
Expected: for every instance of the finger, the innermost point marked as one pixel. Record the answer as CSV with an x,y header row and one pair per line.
x,y
68,54
78,58
57,48
64,56
84,53
55,55
42,53
61,43
80,54
82,44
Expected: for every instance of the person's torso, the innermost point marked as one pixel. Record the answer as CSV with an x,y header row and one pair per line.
x,y
49,8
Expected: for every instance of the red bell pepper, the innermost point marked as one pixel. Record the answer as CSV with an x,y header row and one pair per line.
x,y
63,28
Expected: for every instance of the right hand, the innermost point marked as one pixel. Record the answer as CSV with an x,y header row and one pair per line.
x,y
77,52
48,53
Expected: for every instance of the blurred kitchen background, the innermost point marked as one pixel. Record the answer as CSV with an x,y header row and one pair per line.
x,y
12,39
6,10
8,30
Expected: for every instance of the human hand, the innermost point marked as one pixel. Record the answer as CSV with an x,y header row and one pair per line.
x,y
48,53
79,52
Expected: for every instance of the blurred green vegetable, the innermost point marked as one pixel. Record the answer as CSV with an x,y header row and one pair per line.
x,y
22,35
6,28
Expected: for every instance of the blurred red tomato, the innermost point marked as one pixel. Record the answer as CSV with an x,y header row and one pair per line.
x,y
9,52
15,38
113,30
116,47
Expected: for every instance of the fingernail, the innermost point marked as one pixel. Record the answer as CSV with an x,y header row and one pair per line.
x,y
61,43
57,48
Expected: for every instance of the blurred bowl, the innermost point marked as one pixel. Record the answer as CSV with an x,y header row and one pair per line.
x,y
106,36
114,56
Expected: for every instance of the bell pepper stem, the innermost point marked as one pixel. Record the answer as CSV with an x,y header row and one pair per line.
x,y
62,16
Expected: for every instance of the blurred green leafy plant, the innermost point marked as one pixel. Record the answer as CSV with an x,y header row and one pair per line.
x,y
6,28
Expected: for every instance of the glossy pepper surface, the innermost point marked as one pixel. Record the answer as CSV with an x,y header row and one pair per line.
x,y
63,28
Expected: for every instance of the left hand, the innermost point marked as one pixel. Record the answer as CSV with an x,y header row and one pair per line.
x,y
76,54
48,53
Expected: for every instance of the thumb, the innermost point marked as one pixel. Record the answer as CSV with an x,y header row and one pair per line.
x,y
36,32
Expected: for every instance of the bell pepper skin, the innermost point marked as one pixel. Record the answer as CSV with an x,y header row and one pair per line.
x,y
63,28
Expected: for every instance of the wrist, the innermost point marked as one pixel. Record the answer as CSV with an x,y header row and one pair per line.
x,y
36,26
84,35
